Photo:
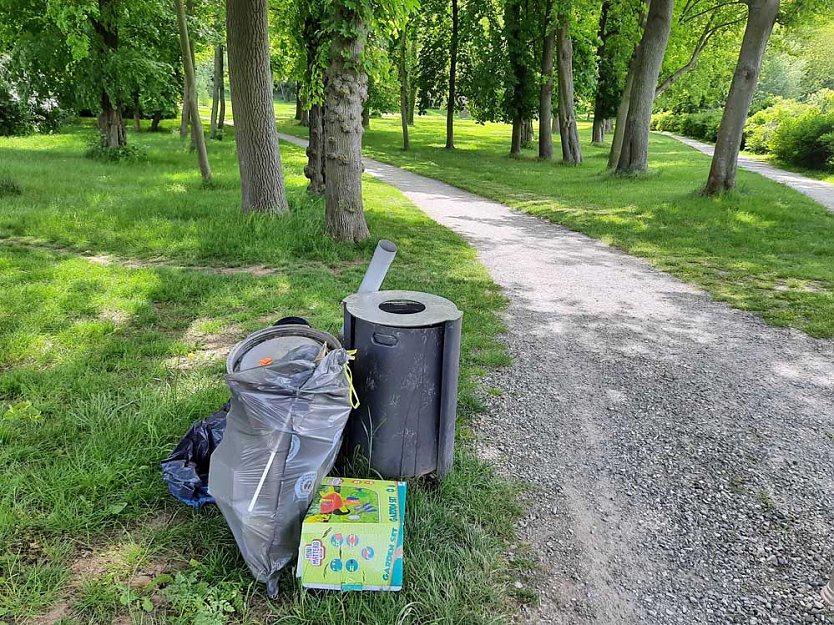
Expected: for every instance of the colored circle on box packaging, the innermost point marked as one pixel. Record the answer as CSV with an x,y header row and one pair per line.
x,y
353,540
336,565
336,540
368,552
351,565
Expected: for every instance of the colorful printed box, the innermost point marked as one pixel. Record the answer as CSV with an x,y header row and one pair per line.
x,y
352,536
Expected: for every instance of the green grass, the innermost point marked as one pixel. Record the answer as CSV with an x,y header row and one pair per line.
x,y
763,248
111,346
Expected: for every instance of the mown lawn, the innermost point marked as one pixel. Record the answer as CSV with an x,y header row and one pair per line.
x,y
763,248
116,314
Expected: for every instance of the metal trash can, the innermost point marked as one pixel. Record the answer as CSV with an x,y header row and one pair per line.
x,y
406,377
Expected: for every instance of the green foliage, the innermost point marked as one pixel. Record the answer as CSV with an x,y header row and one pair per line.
x,y
760,127
75,53
193,600
22,112
806,140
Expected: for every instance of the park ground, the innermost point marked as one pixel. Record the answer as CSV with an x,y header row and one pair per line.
x,y
128,282
123,287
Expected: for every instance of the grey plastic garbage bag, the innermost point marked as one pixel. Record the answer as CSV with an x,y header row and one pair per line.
x,y
283,431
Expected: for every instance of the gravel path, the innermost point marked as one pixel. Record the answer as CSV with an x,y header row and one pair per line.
x,y
819,190
680,451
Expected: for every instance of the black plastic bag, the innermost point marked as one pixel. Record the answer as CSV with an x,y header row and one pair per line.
x,y
185,471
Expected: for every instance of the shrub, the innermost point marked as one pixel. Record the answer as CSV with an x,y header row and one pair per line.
x,y
806,140
760,127
20,115
702,125
125,154
667,121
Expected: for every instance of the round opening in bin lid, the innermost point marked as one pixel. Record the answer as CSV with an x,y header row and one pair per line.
x,y
402,306
270,344
401,309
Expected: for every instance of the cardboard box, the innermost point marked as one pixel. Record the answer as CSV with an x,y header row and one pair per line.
x,y
352,536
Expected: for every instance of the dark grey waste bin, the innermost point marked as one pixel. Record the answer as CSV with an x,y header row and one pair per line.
x,y
406,377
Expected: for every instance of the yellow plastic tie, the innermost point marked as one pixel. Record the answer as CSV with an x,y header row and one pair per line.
x,y
354,398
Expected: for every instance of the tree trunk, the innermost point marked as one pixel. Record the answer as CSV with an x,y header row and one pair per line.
x,y
527,133
634,153
619,125
315,151
366,115
402,70
515,145
137,120
184,111
299,108
305,118
412,103
221,113
453,68
568,133
190,79
346,88
598,131
217,89
546,91
760,19
250,76
155,119
110,124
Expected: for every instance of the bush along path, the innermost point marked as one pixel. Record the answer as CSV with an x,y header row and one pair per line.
x,y
679,450
819,190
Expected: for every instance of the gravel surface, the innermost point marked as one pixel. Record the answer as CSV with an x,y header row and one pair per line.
x,y
680,453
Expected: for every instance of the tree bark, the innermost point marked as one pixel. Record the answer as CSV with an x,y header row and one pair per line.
x,y
366,115
546,91
402,70
315,151
250,76
221,113
305,118
619,124
515,144
760,20
190,79
453,63
571,150
299,108
598,130
217,90
184,112
526,133
346,89
155,119
634,153
110,124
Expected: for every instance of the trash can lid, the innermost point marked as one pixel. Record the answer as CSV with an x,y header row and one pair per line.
x,y
401,309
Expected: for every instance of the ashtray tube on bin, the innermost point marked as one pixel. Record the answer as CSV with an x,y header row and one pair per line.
x,y
406,376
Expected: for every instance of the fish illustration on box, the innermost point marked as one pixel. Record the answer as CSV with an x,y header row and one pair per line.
x,y
352,536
